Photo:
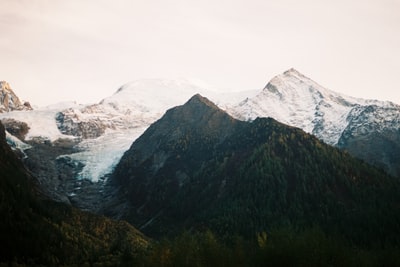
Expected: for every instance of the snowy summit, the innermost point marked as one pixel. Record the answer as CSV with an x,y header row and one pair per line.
x,y
296,100
9,101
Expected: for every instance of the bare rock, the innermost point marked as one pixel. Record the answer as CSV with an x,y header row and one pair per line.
x,y
17,128
9,101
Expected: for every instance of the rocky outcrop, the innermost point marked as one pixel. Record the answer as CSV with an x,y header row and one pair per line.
x,y
134,105
9,101
55,174
68,123
18,129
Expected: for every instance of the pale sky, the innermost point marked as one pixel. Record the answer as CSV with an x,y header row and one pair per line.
x,y
84,50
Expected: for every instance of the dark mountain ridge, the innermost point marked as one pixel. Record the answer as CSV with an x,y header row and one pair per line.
x,y
199,167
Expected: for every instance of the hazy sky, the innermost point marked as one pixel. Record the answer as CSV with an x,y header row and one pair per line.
x,y
83,50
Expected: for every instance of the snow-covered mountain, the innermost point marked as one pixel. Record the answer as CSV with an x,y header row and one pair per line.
x,y
108,128
337,119
295,99
9,101
134,105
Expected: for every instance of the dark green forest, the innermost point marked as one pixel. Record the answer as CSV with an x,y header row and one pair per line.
x,y
286,177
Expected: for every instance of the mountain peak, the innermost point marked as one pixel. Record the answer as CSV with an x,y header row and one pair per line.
x,y
4,86
9,101
198,99
292,71
198,121
284,84
291,76
198,110
297,100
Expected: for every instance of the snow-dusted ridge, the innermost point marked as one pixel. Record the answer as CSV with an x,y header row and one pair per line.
x,y
16,144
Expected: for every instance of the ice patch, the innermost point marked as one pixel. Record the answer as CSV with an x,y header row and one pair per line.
x,y
15,143
99,156
41,122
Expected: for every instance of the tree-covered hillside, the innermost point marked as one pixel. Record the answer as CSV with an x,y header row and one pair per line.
x,y
35,231
199,168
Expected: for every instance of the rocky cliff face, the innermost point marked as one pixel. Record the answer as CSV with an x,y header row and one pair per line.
x,y
69,123
16,128
9,101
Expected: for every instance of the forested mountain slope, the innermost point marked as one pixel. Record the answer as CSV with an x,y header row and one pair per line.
x,y
35,231
198,167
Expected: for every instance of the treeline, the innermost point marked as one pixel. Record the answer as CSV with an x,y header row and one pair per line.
x,y
53,234
281,247
284,246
